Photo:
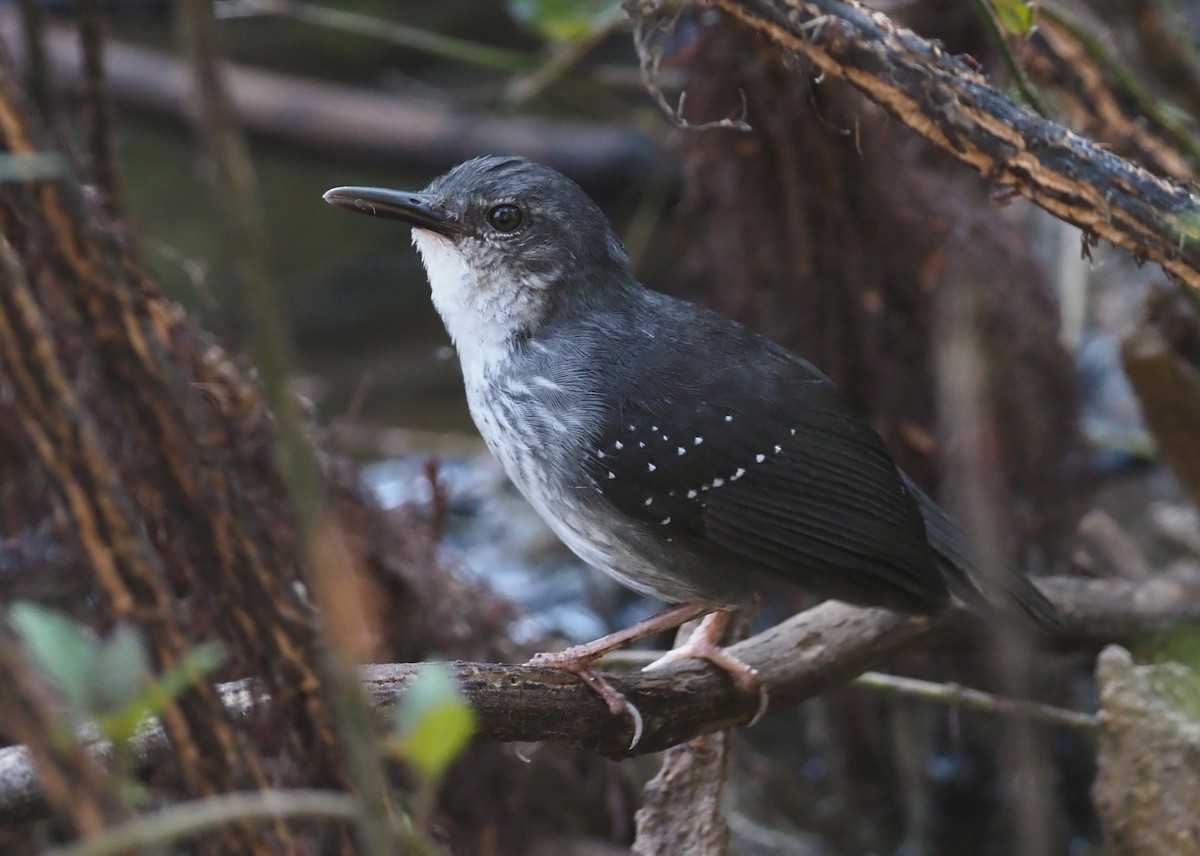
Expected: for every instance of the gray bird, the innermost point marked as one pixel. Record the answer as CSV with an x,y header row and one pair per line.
x,y
671,447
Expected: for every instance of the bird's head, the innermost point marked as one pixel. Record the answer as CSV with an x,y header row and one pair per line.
x,y
506,243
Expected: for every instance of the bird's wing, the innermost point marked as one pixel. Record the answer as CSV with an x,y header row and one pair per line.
x,y
767,468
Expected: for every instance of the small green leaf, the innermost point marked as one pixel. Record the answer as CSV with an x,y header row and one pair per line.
x,y
121,669
560,20
433,723
62,650
121,724
200,661
33,166
1016,16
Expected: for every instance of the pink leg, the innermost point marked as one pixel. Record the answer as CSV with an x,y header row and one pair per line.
x,y
589,651
705,644
578,659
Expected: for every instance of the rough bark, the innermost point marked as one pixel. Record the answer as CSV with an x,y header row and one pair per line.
x,y
681,806
945,100
144,435
1146,789
827,229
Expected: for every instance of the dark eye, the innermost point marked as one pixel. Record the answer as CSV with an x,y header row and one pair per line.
x,y
504,218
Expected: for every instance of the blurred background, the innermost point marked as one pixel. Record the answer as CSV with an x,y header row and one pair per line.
x,y
773,195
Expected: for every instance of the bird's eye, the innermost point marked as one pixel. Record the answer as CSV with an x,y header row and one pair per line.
x,y
504,218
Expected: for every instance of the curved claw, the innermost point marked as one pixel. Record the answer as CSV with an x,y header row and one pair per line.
x,y
638,724
764,702
579,665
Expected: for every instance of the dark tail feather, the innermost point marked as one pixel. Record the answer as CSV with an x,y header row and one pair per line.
x,y
967,582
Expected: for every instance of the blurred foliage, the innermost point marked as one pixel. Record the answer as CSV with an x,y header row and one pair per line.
x,y
1016,16
105,681
561,20
433,724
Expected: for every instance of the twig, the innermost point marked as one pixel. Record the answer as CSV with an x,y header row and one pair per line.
x,y
566,57
954,695
185,820
988,15
1145,105
37,76
98,109
649,35
1116,550
351,121
434,44
950,694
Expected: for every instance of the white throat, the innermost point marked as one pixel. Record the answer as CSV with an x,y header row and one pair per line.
x,y
481,317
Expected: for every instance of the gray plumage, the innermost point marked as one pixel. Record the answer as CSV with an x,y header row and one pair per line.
x,y
669,446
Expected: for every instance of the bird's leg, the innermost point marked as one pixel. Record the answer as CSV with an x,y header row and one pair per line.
x,y
589,651
705,644
578,659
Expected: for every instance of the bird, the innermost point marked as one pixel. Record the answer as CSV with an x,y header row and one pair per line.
x,y
671,447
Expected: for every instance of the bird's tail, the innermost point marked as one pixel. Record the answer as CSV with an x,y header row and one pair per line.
x,y
967,581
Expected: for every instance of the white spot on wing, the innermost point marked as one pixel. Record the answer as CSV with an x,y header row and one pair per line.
x,y
682,450
718,482
649,500
697,441
618,445
691,494
778,449
728,417
651,468
760,458
740,472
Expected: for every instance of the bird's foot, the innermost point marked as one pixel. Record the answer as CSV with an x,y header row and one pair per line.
x,y
704,644
579,661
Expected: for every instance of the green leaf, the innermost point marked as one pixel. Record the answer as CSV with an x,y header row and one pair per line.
x,y
560,20
1016,16
62,650
33,166
200,661
433,723
122,723
121,669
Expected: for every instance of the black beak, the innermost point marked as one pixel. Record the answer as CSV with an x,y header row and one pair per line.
x,y
412,208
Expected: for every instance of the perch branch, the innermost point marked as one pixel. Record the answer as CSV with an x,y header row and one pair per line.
x,y
806,655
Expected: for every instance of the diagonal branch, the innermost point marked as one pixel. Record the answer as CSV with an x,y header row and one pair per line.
x,y
947,102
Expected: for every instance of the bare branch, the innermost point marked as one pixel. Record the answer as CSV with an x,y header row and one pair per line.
x,y
954,695
954,107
